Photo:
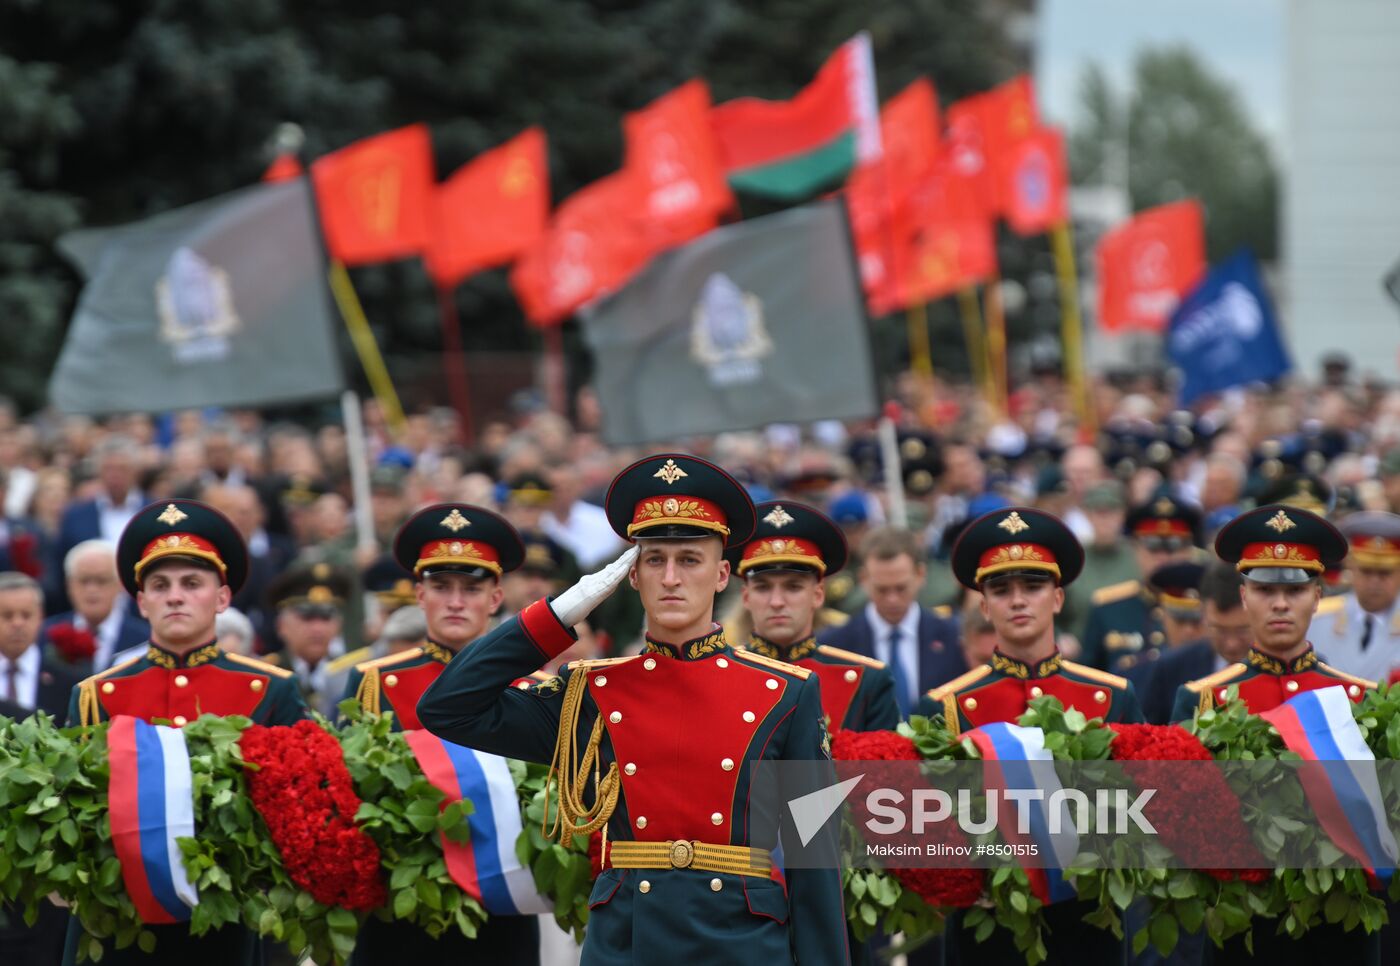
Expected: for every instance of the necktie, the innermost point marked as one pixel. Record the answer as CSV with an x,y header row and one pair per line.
x,y
901,682
12,681
1366,631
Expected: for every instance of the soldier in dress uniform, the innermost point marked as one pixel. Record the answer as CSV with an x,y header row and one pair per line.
x,y
1121,622
1281,552
182,561
1359,632
1019,559
1176,587
310,602
457,554
783,567
664,740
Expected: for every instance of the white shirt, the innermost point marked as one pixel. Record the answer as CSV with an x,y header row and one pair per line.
x,y
26,681
112,518
908,656
586,534
1337,639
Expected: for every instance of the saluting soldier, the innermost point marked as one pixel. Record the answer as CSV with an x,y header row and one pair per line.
x,y
457,554
182,561
1282,552
1020,560
1122,628
668,738
1360,631
783,568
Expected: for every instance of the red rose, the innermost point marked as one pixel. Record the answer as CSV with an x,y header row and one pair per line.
x,y
73,644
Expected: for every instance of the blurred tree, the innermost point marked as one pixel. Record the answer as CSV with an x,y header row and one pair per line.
x,y
1181,132
112,111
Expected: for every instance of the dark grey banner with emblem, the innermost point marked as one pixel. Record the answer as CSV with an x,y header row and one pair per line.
x,y
754,323
221,303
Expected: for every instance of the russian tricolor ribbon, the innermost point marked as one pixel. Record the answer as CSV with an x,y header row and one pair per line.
x,y
1342,787
150,802
485,868
1016,759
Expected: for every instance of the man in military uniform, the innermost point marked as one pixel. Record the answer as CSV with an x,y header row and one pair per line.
x,y
1281,552
1020,559
782,568
1176,589
1108,555
182,561
457,553
1121,622
1360,630
310,605
668,737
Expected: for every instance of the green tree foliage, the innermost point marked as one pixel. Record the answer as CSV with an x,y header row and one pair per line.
x,y
113,111
1186,134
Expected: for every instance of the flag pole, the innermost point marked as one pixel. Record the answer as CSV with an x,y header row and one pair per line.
x,y
996,343
971,313
455,361
891,466
357,452
920,350
354,315
1071,326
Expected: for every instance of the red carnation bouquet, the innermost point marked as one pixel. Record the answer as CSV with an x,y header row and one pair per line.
x,y
304,793
945,888
72,643
1176,809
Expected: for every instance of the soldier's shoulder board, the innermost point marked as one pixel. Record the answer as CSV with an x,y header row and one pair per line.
x,y
1115,592
943,610
1331,605
841,654
831,617
389,659
1095,675
594,664
960,682
112,670
772,664
1223,676
262,667
1344,676
348,660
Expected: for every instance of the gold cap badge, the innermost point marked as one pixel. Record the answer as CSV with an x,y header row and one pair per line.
x,y
454,521
778,518
1013,524
670,472
172,515
1280,522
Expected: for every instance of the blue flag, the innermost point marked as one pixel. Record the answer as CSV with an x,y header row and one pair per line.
x,y
1224,332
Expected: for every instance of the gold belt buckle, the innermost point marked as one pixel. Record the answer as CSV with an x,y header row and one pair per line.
x,y
682,854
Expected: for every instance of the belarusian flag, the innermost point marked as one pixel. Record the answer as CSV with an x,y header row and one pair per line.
x,y
791,149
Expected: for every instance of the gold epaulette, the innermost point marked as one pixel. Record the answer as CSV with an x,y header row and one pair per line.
x,y
89,708
387,659
592,664
960,682
1115,592
1094,674
348,660
1223,676
1330,605
1348,678
943,610
831,617
843,655
773,664
261,666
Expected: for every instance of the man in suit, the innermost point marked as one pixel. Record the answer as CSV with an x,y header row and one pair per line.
x,y
100,610
1361,634
28,684
310,605
1226,641
918,646
105,516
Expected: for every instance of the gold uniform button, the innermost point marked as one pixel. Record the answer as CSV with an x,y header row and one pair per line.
x,y
727,764
181,681
1223,692
1290,685
108,688
970,704
1354,690
629,769
772,684
255,685
644,886
716,885
615,717
391,681
716,819
1100,696
649,664
1036,692
601,681
178,721
721,662
641,821
748,715
850,679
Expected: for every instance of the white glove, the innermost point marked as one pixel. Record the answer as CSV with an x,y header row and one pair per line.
x,y
576,603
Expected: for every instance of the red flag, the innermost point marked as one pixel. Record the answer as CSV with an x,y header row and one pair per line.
x,y
671,149
284,167
374,196
491,210
1034,183
983,128
1146,264
909,129
593,245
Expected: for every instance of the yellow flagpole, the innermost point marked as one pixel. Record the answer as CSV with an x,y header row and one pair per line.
x,y
971,313
1071,326
354,315
996,342
920,349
